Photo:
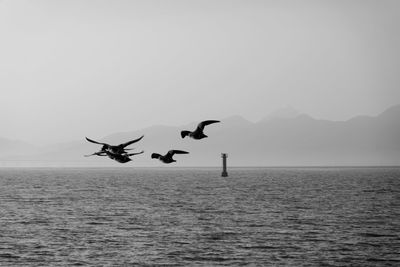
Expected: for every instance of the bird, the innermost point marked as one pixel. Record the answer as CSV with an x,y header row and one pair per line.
x,y
122,158
199,132
167,158
118,149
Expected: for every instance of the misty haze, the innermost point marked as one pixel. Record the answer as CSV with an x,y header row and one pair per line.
x,y
283,138
199,133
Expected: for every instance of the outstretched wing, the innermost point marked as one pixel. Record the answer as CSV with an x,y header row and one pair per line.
x,y
173,152
92,141
137,153
131,142
155,155
202,124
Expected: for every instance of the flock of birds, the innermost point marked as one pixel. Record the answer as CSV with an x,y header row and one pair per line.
x,y
121,154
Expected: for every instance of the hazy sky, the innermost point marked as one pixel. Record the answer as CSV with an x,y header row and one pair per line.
x,y
70,69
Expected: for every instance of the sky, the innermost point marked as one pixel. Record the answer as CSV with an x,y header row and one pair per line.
x,y
76,68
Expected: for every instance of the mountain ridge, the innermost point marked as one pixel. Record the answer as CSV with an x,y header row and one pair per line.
x,y
301,140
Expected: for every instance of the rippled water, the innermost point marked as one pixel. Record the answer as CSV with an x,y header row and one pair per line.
x,y
194,217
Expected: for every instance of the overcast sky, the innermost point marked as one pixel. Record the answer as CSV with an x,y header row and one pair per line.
x,y
70,69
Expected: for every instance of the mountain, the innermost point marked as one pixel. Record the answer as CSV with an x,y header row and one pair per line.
x,y
288,141
283,113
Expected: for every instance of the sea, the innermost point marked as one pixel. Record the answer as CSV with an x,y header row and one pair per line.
x,y
194,217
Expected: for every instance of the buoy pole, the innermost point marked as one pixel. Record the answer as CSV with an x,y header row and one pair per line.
x,y
224,172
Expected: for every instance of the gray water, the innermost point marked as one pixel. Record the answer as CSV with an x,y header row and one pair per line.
x,y
194,217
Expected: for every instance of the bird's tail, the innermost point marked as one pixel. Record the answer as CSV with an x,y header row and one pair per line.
x,y
155,156
184,133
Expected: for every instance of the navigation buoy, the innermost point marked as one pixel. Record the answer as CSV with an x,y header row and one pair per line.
x,y
224,172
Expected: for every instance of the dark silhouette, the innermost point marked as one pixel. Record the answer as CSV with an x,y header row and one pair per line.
x,y
224,172
118,153
118,149
198,133
121,158
167,158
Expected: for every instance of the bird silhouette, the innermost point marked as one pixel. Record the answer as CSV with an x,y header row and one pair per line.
x,y
167,158
118,149
199,132
122,158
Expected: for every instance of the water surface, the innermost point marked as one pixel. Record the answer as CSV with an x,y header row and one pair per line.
x,y
194,217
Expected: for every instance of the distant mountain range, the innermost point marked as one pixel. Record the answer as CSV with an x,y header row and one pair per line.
x,y
286,138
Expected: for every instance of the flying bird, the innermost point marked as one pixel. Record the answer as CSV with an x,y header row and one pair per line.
x,y
122,158
118,149
167,158
199,132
